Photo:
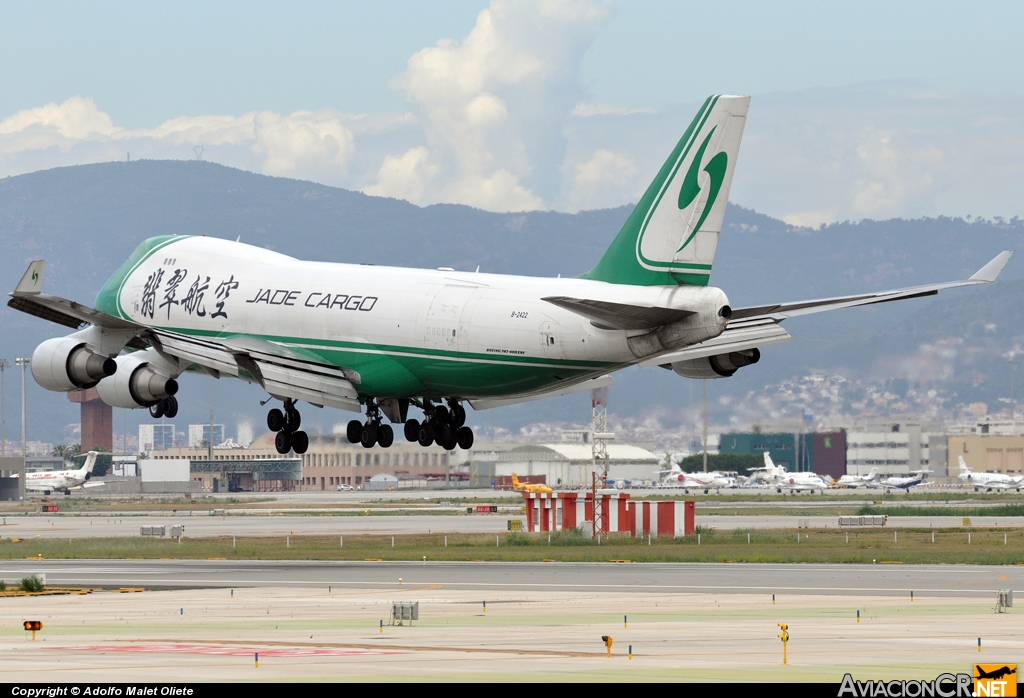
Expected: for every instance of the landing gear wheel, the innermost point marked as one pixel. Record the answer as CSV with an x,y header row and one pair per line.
x,y
275,420
294,419
442,434
354,431
426,435
300,442
283,442
170,407
465,438
412,430
452,443
458,416
157,411
441,414
368,437
385,436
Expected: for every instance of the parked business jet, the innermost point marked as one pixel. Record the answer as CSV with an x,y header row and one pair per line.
x,y
904,483
382,339
990,481
676,478
777,477
857,481
64,481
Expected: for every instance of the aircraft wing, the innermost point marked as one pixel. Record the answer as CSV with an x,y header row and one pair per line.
x,y
780,311
91,484
282,371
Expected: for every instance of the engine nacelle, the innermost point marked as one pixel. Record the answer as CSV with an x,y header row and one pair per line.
x,y
66,363
717,366
141,381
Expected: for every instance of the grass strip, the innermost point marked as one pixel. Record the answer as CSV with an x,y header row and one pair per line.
x,y
986,546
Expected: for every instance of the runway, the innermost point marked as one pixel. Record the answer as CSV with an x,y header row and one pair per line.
x,y
675,578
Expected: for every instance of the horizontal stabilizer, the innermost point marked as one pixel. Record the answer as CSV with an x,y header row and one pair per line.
x,y
592,384
987,274
619,316
739,336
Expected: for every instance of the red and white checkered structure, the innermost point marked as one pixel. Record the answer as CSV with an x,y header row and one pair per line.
x,y
557,511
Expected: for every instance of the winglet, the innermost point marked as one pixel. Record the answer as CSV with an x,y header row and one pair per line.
x,y
990,271
31,283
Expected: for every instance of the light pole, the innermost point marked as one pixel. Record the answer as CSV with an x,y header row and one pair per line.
x,y
1013,374
4,365
24,362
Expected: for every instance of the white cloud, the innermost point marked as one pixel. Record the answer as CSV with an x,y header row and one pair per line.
x,y
600,181
405,176
492,106
587,109
306,144
54,125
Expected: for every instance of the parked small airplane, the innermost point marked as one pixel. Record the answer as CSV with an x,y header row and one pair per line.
x,y
528,487
63,480
856,481
782,480
991,481
904,483
675,477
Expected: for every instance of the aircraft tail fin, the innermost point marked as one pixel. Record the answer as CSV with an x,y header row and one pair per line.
x,y
769,465
964,470
670,237
89,465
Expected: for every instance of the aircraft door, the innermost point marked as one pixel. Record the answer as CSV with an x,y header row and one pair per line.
x,y
444,328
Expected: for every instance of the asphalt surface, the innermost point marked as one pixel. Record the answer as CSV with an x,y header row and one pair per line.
x,y
923,580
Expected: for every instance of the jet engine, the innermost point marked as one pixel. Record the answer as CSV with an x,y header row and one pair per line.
x,y
717,366
66,363
141,380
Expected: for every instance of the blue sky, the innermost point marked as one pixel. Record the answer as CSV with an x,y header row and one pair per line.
x,y
864,109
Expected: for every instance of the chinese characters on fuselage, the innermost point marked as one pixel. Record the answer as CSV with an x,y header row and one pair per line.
x,y
193,302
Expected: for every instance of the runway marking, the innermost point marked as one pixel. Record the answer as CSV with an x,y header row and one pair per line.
x,y
396,649
209,584
227,650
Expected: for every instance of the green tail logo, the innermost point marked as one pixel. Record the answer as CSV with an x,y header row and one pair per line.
x,y
690,188
35,277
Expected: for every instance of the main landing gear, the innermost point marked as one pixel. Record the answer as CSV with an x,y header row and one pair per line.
x,y
443,425
168,407
286,424
373,432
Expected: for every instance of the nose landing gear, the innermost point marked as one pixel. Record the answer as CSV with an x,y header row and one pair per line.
x,y
286,424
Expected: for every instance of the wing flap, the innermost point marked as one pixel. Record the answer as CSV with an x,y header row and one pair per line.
x,y
619,316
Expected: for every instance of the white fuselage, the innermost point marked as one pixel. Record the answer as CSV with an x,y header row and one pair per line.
x,y
53,481
355,311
